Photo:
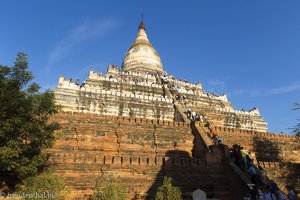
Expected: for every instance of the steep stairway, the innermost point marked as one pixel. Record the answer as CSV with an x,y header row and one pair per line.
x,y
223,178
207,140
181,111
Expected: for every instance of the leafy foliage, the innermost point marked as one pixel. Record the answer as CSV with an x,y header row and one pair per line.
x,y
297,127
47,184
24,128
167,191
111,191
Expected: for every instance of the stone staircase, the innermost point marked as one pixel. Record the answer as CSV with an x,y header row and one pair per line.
x,y
226,185
181,110
203,133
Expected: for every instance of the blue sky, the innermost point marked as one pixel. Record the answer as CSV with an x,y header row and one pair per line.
x,y
249,50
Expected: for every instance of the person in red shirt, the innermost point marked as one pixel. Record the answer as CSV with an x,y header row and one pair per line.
x,y
213,132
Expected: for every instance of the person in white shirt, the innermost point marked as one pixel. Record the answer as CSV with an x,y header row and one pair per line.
x,y
193,115
201,117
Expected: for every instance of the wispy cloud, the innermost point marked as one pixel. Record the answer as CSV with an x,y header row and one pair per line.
x,y
254,92
216,85
216,82
83,32
246,92
285,89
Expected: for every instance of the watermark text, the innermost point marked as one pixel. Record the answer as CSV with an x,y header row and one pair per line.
x,y
36,195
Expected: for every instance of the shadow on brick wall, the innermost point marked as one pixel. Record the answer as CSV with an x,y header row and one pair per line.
x,y
180,167
199,148
266,150
292,177
165,172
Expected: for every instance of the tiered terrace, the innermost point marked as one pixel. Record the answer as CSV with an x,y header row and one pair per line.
x,y
140,94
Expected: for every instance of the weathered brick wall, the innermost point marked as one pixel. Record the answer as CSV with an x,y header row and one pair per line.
x,y
122,135
268,147
283,174
93,149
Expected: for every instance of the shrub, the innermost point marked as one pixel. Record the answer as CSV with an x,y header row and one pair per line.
x,y
167,191
111,191
46,183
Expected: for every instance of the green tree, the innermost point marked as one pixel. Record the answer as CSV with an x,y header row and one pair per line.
x,y
111,191
297,127
25,132
167,191
43,186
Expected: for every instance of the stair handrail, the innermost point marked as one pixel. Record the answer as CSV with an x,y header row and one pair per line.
x,y
180,109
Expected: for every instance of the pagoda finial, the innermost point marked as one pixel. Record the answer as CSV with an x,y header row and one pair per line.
x,y
142,25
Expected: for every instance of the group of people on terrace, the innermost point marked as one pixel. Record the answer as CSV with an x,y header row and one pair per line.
x,y
77,82
157,78
161,78
154,78
138,72
115,67
258,177
177,89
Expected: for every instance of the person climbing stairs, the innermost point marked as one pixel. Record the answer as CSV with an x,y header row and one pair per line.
x,y
181,111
